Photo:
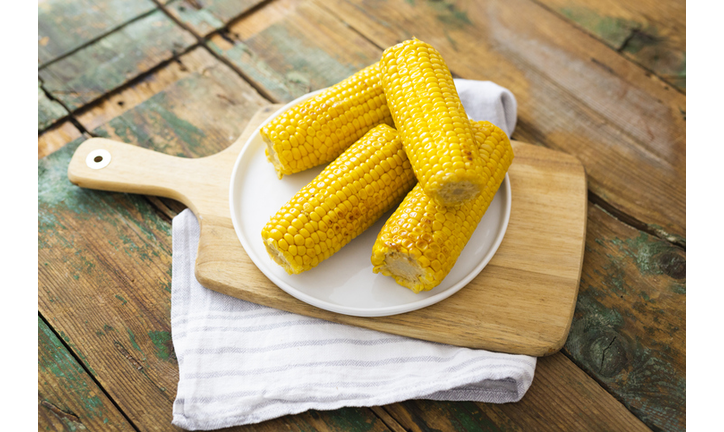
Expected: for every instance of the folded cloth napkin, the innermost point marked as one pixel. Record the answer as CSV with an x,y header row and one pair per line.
x,y
242,363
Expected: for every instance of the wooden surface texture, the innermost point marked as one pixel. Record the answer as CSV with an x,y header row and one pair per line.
x,y
602,80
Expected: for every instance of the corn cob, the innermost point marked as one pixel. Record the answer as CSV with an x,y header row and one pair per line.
x,y
431,120
321,128
420,242
346,198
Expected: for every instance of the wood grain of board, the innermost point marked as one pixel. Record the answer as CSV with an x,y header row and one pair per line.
x,y
651,33
291,47
536,269
68,398
106,64
66,25
206,16
626,127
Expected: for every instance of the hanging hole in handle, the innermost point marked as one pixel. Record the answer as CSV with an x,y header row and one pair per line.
x,y
98,159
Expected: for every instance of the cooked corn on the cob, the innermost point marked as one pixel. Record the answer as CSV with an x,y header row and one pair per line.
x,y
346,198
321,128
432,122
422,240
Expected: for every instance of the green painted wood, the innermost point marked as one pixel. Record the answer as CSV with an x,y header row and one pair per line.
x,y
104,259
629,327
66,25
49,111
200,114
290,48
68,398
650,32
206,16
112,61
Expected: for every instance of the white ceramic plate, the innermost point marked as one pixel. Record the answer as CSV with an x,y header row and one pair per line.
x,y
345,283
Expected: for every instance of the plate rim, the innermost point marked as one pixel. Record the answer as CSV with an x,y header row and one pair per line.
x,y
347,310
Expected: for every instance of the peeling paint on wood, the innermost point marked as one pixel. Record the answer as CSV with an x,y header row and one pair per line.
x,y
164,346
629,327
291,48
613,30
49,111
68,398
206,16
66,25
112,61
649,32
163,122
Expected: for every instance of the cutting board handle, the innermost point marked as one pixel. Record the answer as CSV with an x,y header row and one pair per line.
x,y
104,164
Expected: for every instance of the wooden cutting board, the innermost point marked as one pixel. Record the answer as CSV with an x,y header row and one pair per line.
x,y
521,303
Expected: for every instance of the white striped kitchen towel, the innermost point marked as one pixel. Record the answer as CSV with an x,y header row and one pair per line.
x,y
241,363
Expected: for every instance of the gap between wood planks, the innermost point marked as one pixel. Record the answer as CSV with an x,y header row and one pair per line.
x,y
95,39
619,50
130,83
85,368
70,117
223,32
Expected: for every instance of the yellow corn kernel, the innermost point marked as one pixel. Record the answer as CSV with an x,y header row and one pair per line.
x,y
422,240
432,123
345,200
321,128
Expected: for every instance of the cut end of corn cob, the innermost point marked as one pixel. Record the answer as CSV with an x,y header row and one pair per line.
x,y
319,129
454,192
272,157
278,257
431,120
406,271
346,198
420,243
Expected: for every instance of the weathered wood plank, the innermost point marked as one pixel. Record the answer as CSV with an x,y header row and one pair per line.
x,y
292,47
206,16
629,327
49,111
68,399
561,398
201,110
105,259
652,33
112,61
85,294
65,25
574,94
56,137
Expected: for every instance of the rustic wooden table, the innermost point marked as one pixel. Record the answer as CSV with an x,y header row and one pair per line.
x,y
604,80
